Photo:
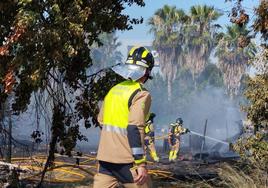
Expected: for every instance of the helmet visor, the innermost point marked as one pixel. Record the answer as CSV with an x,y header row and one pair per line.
x,y
130,71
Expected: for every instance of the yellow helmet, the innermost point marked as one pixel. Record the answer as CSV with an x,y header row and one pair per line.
x,y
140,56
139,61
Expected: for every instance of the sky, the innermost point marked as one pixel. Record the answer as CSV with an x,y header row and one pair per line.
x,y
140,35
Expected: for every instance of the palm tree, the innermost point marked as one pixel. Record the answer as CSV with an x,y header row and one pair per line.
x,y
106,54
167,26
200,38
233,59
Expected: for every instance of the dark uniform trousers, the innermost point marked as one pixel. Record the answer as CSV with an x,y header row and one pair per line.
x,y
111,175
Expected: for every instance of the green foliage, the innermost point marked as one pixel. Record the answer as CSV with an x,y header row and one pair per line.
x,y
165,25
261,21
234,52
211,76
107,54
257,94
254,149
184,40
47,45
201,32
87,103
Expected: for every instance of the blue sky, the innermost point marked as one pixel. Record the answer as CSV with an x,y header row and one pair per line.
x,y
140,36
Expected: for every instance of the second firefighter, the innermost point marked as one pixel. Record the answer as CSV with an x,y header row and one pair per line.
x,y
149,137
175,130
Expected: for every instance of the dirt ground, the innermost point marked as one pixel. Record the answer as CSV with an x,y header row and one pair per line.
x,y
185,172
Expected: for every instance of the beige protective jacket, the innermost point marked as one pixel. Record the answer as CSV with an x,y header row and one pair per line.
x,y
115,148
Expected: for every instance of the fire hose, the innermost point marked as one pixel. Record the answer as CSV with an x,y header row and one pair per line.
x,y
65,171
195,133
211,138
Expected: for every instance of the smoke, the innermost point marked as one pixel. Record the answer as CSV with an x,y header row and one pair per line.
x,y
222,114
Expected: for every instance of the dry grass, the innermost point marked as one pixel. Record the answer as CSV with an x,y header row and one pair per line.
x,y
234,178
230,176
246,177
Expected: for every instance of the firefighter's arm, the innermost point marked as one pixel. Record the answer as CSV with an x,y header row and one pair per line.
x,y
137,112
185,130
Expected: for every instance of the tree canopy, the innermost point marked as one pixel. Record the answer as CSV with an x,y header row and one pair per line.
x,y
45,50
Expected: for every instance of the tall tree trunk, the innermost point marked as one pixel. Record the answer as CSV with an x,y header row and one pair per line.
x,y
56,130
169,87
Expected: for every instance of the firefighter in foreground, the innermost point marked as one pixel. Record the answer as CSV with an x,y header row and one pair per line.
x,y
121,153
149,137
175,130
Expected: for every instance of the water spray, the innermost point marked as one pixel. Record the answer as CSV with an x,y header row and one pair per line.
x,y
208,137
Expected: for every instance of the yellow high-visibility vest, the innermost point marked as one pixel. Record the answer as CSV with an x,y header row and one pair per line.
x,y
116,106
177,129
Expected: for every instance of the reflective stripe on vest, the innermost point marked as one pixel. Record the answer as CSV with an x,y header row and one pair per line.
x,y
137,151
115,129
116,109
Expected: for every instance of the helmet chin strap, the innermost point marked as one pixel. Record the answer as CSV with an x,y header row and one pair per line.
x,y
147,75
